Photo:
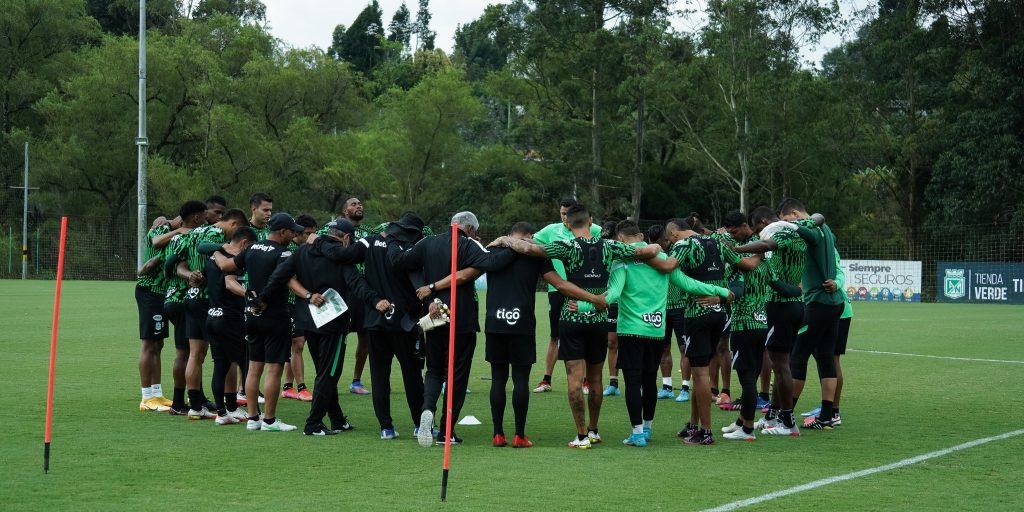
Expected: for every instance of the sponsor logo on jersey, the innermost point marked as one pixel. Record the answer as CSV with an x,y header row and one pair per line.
x,y
158,318
510,316
760,317
193,293
380,243
656,318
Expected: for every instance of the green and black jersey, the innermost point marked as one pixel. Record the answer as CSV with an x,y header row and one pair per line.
x,y
560,232
586,262
748,312
261,233
786,262
705,259
196,260
176,286
155,282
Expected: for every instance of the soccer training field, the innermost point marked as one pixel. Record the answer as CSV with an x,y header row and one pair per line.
x,y
107,455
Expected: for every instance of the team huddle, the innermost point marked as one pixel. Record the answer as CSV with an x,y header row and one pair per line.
x,y
759,296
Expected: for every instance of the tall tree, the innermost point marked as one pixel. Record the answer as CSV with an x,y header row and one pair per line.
x,y
360,45
401,28
424,36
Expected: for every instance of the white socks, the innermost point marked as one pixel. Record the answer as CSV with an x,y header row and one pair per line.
x,y
666,381
147,393
157,390
638,429
647,424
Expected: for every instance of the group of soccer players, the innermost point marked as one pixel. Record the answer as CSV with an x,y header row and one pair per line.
x,y
759,296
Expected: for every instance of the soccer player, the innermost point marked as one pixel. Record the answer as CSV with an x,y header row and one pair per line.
x,y
749,330
511,329
311,275
149,297
841,340
268,324
225,327
823,304
703,258
295,368
673,322
215,208
433,255
583,337
197,304
721,362
549,234
784,314
192,215
261,207
641,292
353,212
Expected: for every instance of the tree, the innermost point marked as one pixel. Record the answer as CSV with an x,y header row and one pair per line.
x,y
424,36
360,44
121,17
401,28
246,11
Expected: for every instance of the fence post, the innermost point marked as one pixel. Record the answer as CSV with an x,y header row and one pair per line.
x,y
37,250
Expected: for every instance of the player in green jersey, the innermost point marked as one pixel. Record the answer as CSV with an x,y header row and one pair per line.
x,y
215,208
548,234
656,235
153,330
783,314
353,212
841,340
261,207
583,337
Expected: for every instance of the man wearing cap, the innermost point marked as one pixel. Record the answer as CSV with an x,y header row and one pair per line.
x,y
433,255
268,325
308,273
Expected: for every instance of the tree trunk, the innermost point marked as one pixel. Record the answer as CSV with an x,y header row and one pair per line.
x,y
595,150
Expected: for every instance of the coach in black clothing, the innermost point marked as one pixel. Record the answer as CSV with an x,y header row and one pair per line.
x,y
433,255
309,274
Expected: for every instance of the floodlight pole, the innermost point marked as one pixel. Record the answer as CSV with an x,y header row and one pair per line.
x,y
24,219
141,141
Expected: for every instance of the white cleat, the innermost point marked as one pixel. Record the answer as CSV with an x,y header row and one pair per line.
x,y
278,426
202,414
582,445
732,427
739,435
781,430
227,420
423,435
238,414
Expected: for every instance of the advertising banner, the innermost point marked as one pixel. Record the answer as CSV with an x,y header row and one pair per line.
x,y
980,282
883,280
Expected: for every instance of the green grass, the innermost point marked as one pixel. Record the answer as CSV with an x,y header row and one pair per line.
x,y
107,455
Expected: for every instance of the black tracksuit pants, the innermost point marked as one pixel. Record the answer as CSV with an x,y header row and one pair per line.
x,y
328,353
385,346
437,371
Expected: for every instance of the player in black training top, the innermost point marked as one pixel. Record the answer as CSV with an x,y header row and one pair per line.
x,y
268,326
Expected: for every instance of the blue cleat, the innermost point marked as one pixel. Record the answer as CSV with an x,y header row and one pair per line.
x,y
666,394
637,440
762,403
647,434
612,391
684,396
814,412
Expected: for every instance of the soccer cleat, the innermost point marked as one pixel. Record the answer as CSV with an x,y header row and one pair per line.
x,y
612,391
813,412
202,414
836,420
701,437
732,427
636,440
240,399
388,434
723,399
684,396
714,398
583,444
423,433
290,393
817,424
178,412
521,442
357,388
543,387
261,400
210,406
456,440
734,405
277,426
781,430
594,437
665,394
305,395
227,419
586,387
344,427
647,433
153,405
164,401
740,435
319,430
254,425
238,414
688,431
416,432
763,404
499,441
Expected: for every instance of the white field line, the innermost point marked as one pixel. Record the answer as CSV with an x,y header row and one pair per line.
x,y
858,474
935,357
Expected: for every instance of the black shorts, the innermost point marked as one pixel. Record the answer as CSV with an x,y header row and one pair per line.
x,y
356,315
702,335
152,322
227,338
195,318
582,341
844,334
513,349
269,339
674,322
747,349
642,354
555,302
784,321
613,317
175,313
822,321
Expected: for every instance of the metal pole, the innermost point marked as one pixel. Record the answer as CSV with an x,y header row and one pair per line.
x,y
24,223
36,254
141,141
10,250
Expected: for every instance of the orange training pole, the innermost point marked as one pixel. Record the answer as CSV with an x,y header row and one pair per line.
x,y
53,345
451,363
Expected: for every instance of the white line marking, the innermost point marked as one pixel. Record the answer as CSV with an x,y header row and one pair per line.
x,y
857,474
935,357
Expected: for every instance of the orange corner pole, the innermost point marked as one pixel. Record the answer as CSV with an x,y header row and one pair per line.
x,y
53,345
451,363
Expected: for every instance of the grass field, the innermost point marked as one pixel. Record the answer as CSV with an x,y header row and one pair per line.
x,y
109,456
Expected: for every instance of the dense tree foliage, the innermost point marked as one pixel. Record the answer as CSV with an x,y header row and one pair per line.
x,y
915,123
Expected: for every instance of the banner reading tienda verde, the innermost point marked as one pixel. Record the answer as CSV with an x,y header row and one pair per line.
x,y
980,282
883,280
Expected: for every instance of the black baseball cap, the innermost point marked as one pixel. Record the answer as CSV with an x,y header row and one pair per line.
x,y
279,221
344,225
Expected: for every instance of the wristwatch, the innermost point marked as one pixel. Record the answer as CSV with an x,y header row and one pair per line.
x,y
430,286
309,295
